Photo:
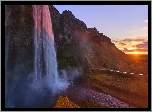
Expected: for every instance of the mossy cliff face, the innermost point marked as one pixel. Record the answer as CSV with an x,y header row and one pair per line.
x,y
78,45
19,42
67,43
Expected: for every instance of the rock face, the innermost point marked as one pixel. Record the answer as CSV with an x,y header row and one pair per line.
x,y
19,39
63,102
78,45
66,41
19,52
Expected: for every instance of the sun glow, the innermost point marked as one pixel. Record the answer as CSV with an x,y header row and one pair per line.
x,y
135,52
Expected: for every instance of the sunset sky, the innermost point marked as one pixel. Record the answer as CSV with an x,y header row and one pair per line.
x,y
126,25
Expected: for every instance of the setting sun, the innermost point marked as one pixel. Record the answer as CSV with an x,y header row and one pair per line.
x,y
135,52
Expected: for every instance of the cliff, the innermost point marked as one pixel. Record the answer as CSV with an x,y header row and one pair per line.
x,y
19,42
78,45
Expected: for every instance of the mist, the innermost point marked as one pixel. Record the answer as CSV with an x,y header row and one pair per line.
x,y
41,87
29,93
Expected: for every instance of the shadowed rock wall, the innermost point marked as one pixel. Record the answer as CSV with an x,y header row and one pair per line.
x,y
19,42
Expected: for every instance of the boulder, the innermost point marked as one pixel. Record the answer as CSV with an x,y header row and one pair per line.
x,y
64,102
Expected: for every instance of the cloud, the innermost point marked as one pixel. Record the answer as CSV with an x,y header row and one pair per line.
x,y
144,28
125,49
146,21
123,44
131,44
142,37
139,50
142,50
144,45
115,41
130,40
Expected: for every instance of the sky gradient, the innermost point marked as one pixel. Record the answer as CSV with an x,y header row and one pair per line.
x,y
126,25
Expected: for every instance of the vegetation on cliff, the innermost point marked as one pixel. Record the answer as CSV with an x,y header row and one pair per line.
x,y
78,45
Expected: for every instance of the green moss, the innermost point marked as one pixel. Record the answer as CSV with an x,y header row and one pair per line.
x,y
68,54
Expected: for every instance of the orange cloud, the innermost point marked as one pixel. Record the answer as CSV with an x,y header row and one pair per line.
x,y
141,48
144,45
129,45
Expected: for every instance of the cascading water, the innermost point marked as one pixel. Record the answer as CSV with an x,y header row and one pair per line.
x,y
39,87
45,64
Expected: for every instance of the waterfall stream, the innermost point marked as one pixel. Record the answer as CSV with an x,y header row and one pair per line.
x,y
42,85
45,64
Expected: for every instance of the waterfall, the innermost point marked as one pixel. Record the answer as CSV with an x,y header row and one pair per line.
x,y
30,81
45,64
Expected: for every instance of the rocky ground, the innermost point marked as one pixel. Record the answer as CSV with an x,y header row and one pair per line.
x,y
85,95
105,90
